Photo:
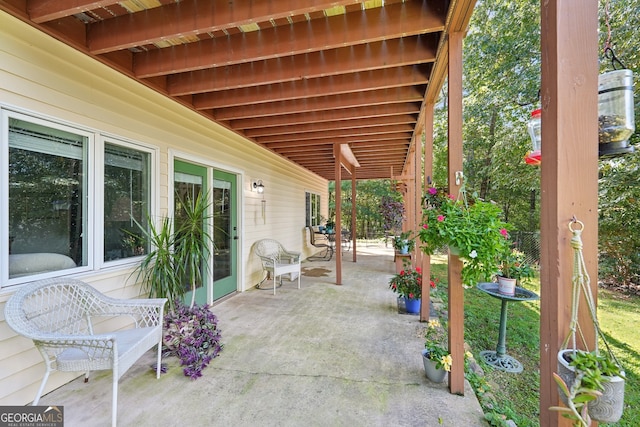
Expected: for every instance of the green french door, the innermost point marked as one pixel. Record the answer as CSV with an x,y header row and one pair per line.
x,y
225,234
189,182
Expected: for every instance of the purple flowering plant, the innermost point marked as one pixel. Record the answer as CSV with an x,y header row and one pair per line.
x,y
191,334
473,227
392,211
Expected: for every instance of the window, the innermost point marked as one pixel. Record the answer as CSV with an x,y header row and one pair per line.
x,y
312,209
126,201
53,221
47,198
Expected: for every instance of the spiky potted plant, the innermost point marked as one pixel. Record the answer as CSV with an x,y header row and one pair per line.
x,y
175,264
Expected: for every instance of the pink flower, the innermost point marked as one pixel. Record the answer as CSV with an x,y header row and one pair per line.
x,y
433,191
411,295
440,218
418,270
452,197
425,226
402,273
504,232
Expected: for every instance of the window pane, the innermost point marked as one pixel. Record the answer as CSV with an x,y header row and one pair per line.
x,y
126,197
312,209
47,192
222,229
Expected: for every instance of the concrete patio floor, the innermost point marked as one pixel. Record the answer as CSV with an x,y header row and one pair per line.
x,y
324,355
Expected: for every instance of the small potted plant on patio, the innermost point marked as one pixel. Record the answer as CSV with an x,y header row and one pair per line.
x,y
473,230
175,265
514,270
404,243
408,285
435,356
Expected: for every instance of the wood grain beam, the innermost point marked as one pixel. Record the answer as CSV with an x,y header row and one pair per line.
x,y
360,58
320,135
361,99
344,140
46,10
177,20
372,25
332,125
327,116
332,85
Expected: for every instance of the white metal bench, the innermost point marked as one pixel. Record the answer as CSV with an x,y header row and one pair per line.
x,y
276,261
57,315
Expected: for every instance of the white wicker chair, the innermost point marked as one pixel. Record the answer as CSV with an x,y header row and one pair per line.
x,y
276,261
57,315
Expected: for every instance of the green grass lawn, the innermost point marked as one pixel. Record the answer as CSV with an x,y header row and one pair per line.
x,y
517,395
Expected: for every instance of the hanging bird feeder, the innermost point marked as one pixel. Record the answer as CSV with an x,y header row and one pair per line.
x,y
616,121
534,157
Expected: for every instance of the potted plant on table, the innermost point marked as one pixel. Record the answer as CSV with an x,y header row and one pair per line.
x,y
473,230
408,285
404,243
435,356
514,270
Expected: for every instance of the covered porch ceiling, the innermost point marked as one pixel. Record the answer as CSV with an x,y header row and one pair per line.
x,y
296,77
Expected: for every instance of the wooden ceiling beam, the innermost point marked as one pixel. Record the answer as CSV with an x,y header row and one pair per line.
x,y
351,59
386,138
361,99
46,10
367,26
328,116
333,125
332,85
176,20
374,130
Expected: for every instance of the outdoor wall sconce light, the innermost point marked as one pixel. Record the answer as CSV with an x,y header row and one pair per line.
x,y
257,186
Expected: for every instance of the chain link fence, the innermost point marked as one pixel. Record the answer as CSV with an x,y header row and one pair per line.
x,y
528,242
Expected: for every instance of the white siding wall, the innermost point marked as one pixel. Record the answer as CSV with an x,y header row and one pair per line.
x,y
41,76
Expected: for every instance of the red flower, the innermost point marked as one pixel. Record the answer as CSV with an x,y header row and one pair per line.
x,y
432,284
411,296
440,218
504,232
418,270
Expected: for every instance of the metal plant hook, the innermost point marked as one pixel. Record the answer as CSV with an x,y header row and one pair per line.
x,y
615,62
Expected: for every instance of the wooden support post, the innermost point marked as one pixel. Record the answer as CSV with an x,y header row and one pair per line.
x,y
353,214
428,171
569,46
338,180
456,294
417,191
